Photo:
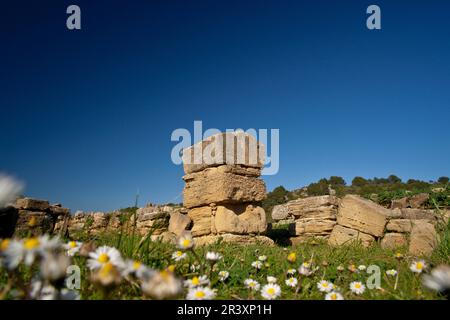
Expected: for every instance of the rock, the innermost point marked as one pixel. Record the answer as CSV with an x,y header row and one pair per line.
x,y
312,206
35,221
418,200
342,235
253,219
420,214
280,212
232,148
312,226
423,238
178,223
32,204
307,238
399,225
8,221
394,240
234,239
399,203
226,221
362,215
58,211
201,220
100,220
166,237
215,186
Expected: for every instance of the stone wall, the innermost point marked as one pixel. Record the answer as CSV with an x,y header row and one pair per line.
x,y
343,221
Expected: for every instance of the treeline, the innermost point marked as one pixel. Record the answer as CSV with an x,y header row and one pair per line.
x,y
381,190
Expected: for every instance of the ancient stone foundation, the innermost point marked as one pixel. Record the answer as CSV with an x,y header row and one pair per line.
x,y
223,191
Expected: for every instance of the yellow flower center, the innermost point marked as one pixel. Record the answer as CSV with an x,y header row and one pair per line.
x,y
195,281
32,222
357,285
292,257
164,274
186,243
106,270
103,258
419,266
72,244
31,243
136,265
333,296
271,291
171,268
199,294
4,244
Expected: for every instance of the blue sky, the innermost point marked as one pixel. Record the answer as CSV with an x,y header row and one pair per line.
x,y
87,115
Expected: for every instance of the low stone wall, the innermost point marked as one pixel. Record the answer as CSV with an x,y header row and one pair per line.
x,y
353,218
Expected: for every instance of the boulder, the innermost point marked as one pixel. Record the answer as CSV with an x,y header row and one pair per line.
x,y
178,223
418,200
423,238
235,239
312,206
342,235
232,148
399,203
35,221
32,204
362,215
253,219
213,185
400,225
394,240
312,226
280,212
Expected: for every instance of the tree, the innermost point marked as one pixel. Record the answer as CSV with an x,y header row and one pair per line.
x,y
394,179
336,181
359,182
443,180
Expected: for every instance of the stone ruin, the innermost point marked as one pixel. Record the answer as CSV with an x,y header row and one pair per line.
x,y
342,221
223,191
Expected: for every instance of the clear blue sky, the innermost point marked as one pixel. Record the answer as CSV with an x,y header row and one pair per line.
x,y
86,116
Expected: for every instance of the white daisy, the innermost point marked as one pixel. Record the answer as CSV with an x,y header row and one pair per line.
x,y
291,282
11,252
391,272
185,241
161,285
362,267
251,284
223,275
262,258
439,280
291,271
334,296
418,266
197,282
357,287
213,256
178,255
194,267
200,293
134,268
54,268
257,264
271,279
325,286
271,291
72,247
305,269
104,255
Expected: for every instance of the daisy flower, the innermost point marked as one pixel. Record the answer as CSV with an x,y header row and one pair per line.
x,y
262,258
357,287
107,275
178,255
271,291
31,248
292,257
362,267
398,255
72,247
213,256
12,253
161,285
334,296
439,280
291,282
223,275
391,272
291,271
340,268
418,266
325,286
352,268
185,241
194,267
197,282
305,269
104,255
271,279
134,268
200,293
257,264
251,284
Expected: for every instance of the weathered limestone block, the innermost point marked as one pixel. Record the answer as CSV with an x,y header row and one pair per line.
x,y
235,239
409,213
233,148
280,212
311,206
214,186
394,240
201,220
307,238
362,215
239,219
342,235
312,226
35,221
423,238
226,221
253,219
418,200
400,203
178,223
400,225
32,204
